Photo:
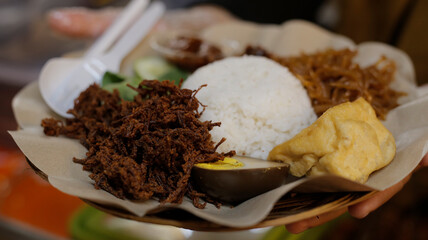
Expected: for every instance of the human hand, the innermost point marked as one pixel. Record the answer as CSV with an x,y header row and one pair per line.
x,y
359,210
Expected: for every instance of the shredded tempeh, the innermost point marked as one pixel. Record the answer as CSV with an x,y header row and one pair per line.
x,y
331,77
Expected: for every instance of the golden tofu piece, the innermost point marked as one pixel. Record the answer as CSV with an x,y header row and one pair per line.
x,y
347,140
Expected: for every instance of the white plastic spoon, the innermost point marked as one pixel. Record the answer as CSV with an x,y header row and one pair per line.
x,y
59,86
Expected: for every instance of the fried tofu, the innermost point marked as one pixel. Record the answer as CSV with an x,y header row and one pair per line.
x,y
347,140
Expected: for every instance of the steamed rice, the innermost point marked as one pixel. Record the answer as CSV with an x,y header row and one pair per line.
x,y
259,103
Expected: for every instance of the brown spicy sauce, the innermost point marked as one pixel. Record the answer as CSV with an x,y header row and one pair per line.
x,y
192,52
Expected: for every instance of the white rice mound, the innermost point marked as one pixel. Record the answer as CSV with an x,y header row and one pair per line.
x,y
259,103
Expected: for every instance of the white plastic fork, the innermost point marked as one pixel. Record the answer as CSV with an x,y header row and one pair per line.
x,y
56,68
60,93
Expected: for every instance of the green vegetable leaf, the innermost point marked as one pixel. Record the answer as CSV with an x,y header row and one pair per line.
x,y
113,81
157,68
174,75
109,78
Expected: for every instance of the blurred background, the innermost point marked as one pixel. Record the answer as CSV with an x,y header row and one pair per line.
x,y
31,209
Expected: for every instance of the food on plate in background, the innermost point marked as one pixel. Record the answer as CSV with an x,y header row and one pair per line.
x,y
331,77
80,22
88,23
259,103
347,140
142,149
187,51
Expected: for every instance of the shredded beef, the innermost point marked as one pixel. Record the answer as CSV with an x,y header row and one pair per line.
x,y
145,148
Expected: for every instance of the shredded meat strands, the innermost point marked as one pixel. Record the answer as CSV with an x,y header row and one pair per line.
x,y
331,77
145,148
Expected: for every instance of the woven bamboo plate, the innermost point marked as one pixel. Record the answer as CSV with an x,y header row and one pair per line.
x,y
290,208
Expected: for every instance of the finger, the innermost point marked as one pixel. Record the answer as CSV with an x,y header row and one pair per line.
x,y
303,225
362,209
424,161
